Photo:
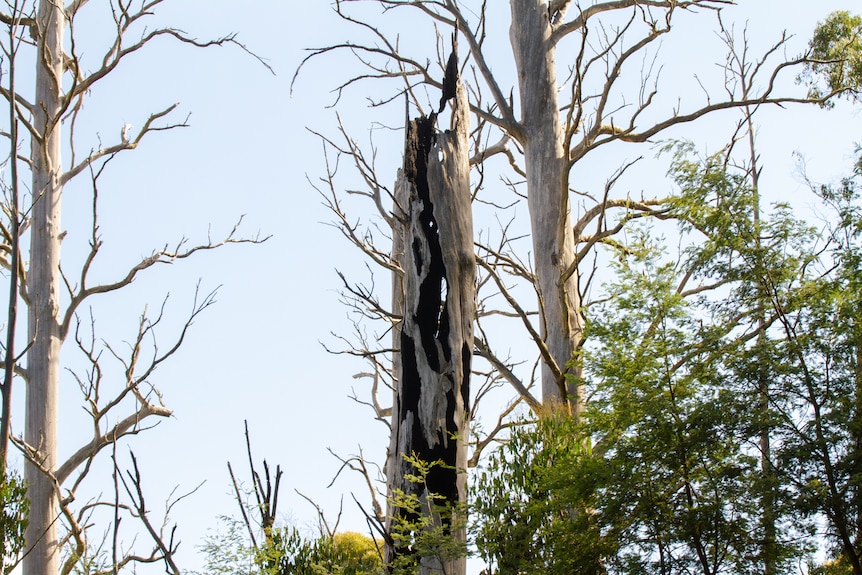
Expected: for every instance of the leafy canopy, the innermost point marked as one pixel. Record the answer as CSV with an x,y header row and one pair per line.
x,y
836,48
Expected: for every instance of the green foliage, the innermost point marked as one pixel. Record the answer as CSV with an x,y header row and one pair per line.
x,y
357,553
820,426
833,567
228,552
529,514
424,523
287,552
837,48
663,473
718,205
341,554
680,489
13,519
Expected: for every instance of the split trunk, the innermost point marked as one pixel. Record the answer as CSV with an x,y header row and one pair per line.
x,y
430,421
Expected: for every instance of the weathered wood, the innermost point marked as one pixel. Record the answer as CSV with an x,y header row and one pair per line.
x,y
43,358
431,410
548,200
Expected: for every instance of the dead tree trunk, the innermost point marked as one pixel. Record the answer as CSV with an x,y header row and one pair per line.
x,y
43,363
431,412
548,200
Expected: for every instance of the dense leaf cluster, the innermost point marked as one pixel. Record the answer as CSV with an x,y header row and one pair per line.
x,y
723,432
288,552
837,47
14,507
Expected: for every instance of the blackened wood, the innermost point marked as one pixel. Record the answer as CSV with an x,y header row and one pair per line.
x,y
431,411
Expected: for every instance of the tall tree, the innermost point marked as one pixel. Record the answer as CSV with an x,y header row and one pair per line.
x,y
549,128
545,139
818,345
13,496
836,50
43,361
44,32
669,456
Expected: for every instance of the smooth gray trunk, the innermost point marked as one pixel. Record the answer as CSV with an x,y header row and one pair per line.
x,y
548,200
43,358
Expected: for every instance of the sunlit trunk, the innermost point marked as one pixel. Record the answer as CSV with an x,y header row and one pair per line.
x,y
43,358
548,199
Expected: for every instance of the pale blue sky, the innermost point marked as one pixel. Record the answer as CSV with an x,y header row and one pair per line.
x,y
256,355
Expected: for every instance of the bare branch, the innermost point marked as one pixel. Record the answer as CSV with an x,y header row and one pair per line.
x,y
537,339
380,412
483,351
358,463
166,549
163,256
125,144
501,425
586,13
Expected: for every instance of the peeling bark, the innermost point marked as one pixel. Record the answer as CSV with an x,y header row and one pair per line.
x,y
431,410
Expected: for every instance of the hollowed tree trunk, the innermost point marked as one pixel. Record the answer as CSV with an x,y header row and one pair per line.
x,y
431,412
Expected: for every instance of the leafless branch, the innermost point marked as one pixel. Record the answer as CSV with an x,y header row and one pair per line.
x,y
483,351
136,376
165,545
585,14
163,256
359,464
323,524
501,425
381,413
125,144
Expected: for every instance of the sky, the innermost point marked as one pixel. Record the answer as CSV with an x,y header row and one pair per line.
x,y
258,354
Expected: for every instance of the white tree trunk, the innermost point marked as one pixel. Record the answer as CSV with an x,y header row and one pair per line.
x,y
548,200
431,412
43,358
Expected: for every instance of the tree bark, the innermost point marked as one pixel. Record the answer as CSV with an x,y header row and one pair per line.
x,y
431,411
43,363
548,200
